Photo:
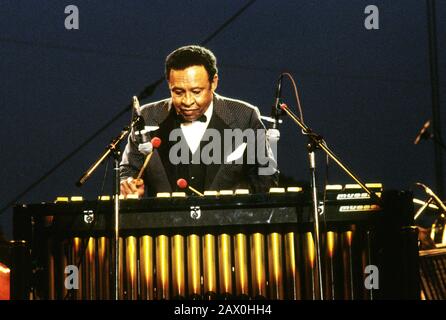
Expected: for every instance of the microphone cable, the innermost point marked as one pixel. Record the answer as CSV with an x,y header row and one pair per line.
x,y
296,94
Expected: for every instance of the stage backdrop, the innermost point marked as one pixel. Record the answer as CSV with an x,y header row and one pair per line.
x,y
365,89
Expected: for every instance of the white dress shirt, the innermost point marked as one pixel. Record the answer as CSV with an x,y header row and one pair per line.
x,y
194,131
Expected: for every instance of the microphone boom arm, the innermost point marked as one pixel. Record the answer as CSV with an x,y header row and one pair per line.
x,y
112,147
319,142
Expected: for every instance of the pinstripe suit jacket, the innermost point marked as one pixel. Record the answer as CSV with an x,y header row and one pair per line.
x,y
159,175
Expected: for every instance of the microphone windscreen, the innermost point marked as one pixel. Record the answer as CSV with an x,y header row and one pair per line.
x,y
156,142
182,183
145,148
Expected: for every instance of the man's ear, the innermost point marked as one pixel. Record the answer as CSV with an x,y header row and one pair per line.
x,y
214,83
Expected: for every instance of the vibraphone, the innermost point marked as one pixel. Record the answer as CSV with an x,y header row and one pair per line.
x,y
222,247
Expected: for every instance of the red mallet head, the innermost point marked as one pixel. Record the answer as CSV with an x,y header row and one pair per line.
x,y
156,142
182,183
283,106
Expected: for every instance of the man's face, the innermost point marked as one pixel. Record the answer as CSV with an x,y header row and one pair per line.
x,y
191,91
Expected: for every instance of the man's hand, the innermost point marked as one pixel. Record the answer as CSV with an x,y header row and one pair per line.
x,y
132,186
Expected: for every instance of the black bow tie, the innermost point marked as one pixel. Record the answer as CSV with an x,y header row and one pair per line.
x,y
180,119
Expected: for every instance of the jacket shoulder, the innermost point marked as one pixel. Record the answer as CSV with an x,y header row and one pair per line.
x,y
236,103
239,112
155,112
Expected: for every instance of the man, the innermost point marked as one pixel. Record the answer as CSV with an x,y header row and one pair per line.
x,y
213,142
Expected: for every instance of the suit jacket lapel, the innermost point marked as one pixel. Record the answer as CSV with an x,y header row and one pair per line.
x,y
212,169
165,127
222,118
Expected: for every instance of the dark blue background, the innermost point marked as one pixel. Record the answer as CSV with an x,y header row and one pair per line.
x,y
366,91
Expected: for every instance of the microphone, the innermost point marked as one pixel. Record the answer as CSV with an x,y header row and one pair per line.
x,y
137,124
136,114
433,195
276,107
423,134
136,105
182,184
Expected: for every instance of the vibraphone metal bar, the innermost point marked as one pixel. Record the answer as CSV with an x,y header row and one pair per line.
x,y
253,247
241,265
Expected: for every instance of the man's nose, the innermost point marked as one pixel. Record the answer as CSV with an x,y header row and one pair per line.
x,y
188,99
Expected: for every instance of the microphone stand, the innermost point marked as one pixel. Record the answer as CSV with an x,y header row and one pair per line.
x,y
433,197
113,148
315,141
437,141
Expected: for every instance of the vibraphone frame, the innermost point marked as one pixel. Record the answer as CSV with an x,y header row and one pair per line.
x,y
248,247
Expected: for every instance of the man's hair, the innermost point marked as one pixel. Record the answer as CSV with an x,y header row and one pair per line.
x,y
189,56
